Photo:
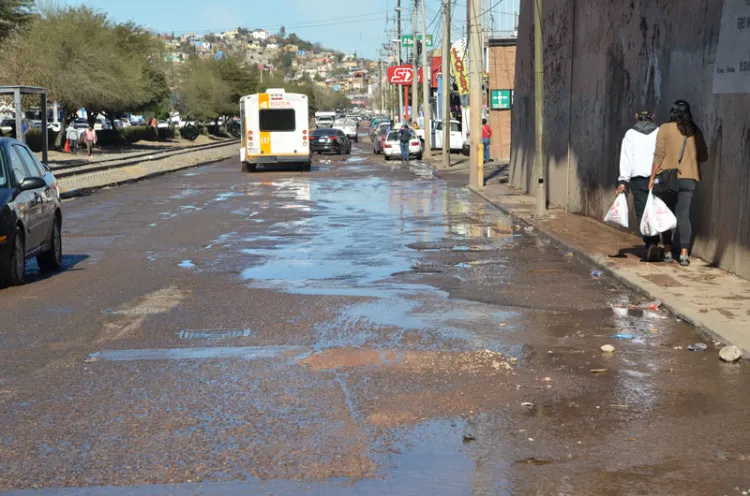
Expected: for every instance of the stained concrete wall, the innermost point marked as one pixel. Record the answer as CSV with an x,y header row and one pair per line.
x,y
605,59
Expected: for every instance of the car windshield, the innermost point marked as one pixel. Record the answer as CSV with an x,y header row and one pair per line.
x,y
324,132
8,122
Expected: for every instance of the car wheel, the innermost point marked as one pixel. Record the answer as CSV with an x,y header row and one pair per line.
x,y
419,156
387,158
13,273
51,260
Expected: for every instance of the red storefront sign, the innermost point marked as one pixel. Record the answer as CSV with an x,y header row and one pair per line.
x,y
403,74
437,70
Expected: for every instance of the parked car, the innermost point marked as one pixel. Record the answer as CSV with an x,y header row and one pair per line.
x,y
8,126
379,142
392,146
350,127
378,128
30,213
456,140
329,141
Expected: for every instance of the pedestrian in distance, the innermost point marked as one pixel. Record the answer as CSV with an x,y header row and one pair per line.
x,y
404,136
636,163
71,134
679,146
486,135
89,139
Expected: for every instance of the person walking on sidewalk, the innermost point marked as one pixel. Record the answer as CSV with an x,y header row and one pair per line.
x,y
486,135
89,138
679,145
71,134
636,162
404,136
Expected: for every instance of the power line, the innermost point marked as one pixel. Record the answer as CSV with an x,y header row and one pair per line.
x,y
317,23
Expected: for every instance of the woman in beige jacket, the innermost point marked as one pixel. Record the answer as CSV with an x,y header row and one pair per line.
x,y
679,145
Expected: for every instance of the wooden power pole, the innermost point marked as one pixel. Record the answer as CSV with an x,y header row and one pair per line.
x,y
415,61
476,155
426,84
446,83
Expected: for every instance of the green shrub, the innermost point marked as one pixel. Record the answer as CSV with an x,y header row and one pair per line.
x,y
135,134
109,137
34,139
190,132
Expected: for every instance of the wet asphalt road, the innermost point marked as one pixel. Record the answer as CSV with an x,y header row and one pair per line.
x,y
366,328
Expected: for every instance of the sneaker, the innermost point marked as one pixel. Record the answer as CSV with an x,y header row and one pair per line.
x,y
684,260
668,257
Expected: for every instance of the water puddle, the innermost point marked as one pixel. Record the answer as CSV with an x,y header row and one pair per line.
x,y
186,264
240,352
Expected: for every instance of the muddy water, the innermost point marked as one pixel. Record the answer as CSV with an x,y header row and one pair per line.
x,y
364,329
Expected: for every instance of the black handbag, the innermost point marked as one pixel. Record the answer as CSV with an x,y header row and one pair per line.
x,y
668,181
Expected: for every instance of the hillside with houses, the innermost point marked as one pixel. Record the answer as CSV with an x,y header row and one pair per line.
x,y
278,55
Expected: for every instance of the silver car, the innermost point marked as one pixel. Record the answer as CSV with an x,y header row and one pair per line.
x,y
350,127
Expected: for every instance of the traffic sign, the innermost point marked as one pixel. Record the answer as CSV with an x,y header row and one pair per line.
x,y
500,99
407,40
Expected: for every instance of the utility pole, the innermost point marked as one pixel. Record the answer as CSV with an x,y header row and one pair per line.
x,y
426,84
446,83
541,192
476,157
415,61
400,94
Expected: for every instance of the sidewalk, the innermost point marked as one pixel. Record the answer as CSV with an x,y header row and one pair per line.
x,y
711,299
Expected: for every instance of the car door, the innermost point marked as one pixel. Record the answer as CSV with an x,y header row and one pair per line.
x,y
345,139
48,194
29,202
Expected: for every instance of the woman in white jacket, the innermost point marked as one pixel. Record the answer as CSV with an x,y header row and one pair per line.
x,y
636,161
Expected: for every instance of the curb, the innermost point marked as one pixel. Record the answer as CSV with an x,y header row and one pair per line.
x,y
637,286
78,192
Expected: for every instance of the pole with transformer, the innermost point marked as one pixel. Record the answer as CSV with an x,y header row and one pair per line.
x,y
446,83
426,84
539,173
476,155
398,62
415,62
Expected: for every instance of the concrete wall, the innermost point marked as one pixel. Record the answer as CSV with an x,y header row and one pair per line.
x,y
502,77
605,59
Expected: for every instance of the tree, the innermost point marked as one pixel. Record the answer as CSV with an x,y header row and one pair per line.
x,y
14,14
282,33
84,60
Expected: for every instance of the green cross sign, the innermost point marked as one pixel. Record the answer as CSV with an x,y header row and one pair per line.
x,y
500,99
407,40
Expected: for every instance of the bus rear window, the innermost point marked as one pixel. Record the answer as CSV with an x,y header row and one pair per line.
x,y
272,120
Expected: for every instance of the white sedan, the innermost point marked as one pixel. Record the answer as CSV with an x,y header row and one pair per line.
x,y
392,146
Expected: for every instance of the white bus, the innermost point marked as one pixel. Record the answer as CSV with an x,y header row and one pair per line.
x,y
274,129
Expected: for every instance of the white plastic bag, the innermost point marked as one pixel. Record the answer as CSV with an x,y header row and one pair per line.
x,y
618,212
657,217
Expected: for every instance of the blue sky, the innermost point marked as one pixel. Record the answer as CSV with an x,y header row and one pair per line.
x,y
346,25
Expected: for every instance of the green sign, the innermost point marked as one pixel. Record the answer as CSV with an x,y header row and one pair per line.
x,y
500,99
407,40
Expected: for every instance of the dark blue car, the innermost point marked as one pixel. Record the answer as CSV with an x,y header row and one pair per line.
x,y
30,213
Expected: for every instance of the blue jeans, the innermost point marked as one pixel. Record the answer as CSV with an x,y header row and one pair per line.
x,y
486,143
405,152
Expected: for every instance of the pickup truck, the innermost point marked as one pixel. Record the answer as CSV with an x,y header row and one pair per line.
x,y
350,127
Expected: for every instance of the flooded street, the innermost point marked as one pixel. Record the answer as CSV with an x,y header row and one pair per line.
x,y
365,328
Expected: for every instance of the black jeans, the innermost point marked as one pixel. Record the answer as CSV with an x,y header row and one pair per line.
x,y
679,202
639,188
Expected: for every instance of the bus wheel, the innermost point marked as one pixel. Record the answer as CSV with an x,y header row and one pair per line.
x,y
246,167
306,166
